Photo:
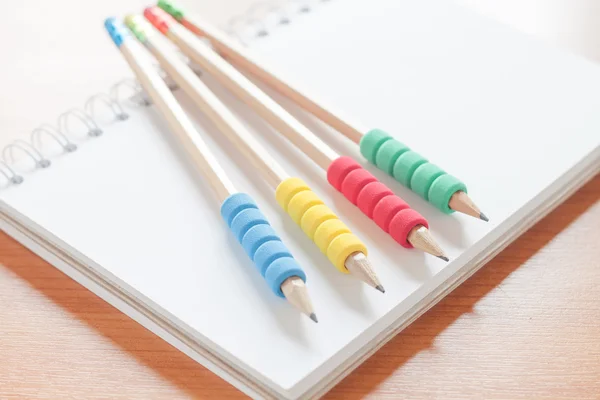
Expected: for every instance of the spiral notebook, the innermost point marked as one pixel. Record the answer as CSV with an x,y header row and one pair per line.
x,y
112,202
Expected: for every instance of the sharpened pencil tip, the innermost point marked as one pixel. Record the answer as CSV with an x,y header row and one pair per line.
x,y
313,316
295,292
461,202
359,266
444,258
380,288
421,239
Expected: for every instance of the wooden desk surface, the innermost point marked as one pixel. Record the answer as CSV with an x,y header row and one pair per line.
x,y
526,326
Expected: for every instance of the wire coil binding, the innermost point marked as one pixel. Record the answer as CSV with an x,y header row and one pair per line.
x,y
9,156
11,175
139,98
111,103
77,114
32,149
258,21
263,17
53,133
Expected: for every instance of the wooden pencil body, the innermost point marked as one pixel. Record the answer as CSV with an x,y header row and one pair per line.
x,y
181,126
243,60
259,101
217,112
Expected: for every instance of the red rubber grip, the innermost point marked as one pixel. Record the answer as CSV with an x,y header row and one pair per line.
x,y
374,199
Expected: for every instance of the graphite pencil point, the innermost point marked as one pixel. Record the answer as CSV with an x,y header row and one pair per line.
x,y
360,267
462,203
295,292
313,316
380,288
444,258
421,239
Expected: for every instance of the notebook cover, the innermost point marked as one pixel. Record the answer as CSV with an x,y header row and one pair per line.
x,y
515,119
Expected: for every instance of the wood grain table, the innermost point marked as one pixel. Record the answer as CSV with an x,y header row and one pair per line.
x,y
526,326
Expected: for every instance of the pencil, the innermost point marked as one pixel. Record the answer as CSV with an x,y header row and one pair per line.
x,y
374,199
277,265
304,207
441,189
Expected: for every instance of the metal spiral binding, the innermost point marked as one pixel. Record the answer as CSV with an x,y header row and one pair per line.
x,y
13,177
259,20
53,133
139,98
266,9
254,19
9,156
302,6
63,122
60,135
168,80
110,102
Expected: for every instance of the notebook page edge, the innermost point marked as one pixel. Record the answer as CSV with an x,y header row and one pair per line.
x,y
137,306
477,257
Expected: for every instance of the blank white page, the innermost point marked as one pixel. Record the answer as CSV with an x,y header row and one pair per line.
x,y
506,114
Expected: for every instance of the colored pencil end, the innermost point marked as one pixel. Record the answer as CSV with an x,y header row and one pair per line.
x,y
160,19
172,9
117,31
138,26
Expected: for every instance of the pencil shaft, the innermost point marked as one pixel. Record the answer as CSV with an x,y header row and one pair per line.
x,y
217,112
180,125
250,63
243,60
239,211
260,102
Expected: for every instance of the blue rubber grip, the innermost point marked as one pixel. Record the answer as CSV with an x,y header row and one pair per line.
x,y
117,31
262,244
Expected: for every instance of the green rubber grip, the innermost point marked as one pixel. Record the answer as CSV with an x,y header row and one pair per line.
x,y
410,169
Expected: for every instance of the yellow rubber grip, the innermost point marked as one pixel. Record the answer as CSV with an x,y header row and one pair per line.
x,y
319,223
